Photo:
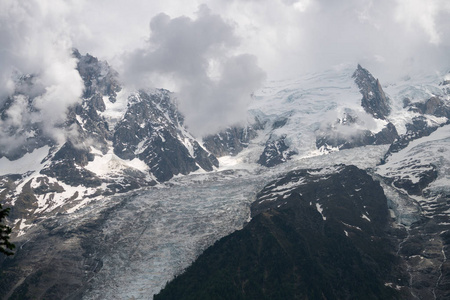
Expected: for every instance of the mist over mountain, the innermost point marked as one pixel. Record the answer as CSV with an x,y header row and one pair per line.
x,y
132,154
228,150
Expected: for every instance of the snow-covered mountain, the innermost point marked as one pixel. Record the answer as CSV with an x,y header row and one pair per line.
x,y
115,142
130,197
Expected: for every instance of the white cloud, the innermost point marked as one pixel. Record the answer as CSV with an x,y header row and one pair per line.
x,y
423,14
288,37
214,84
36,40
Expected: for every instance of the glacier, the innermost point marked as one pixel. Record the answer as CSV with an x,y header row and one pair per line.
x,y
161,230
149,235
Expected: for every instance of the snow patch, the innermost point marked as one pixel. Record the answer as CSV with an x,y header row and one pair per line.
x,y
109,163
364,216
28,162
320,210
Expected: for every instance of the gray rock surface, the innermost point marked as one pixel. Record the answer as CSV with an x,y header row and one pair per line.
x,y
374,100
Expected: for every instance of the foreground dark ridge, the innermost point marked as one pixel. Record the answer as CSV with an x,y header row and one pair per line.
x,y
315,234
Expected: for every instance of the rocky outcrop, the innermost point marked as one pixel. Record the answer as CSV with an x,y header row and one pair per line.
x,y
374,100
67,166
308,228
99,78
419,127
434,106
151,130
101,84
275,152
232,140
150,144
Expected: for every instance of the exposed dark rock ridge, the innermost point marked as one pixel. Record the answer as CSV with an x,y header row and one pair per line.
x,y
421,126
99,78
426,176
152,130
417,129
308,228
433,106
232,140
101,83
275,152
374,100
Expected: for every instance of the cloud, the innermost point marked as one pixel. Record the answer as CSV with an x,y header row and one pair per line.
x,y
197,55
289,37
36,41
211,105
191,53
424,15
409,36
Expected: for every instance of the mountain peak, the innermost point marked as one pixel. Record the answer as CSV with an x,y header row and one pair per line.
x,y
374,100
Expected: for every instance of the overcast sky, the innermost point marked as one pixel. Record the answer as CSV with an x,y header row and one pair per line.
x,y
218,49
287,36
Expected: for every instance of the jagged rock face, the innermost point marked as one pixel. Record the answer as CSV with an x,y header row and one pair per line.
x,y
407,166
419,171
326,188
232,140
374,100
433,106
151,130
66,166
101,83
88,127
275,152
375,103
99,78
425,178
315,234
419,127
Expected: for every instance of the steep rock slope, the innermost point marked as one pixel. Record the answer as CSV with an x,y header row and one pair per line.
x,y
152,131
232,140
95,246
374,99
347,131
420,173
315,234
275,152
113,142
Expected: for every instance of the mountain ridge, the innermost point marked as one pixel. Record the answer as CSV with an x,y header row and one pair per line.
x,y
126,153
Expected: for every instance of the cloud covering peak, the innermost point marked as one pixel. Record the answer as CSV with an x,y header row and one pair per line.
x,y
36,41
197,57
200,51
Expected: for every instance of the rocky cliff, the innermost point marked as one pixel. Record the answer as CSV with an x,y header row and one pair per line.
x,y
374,100
315,234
